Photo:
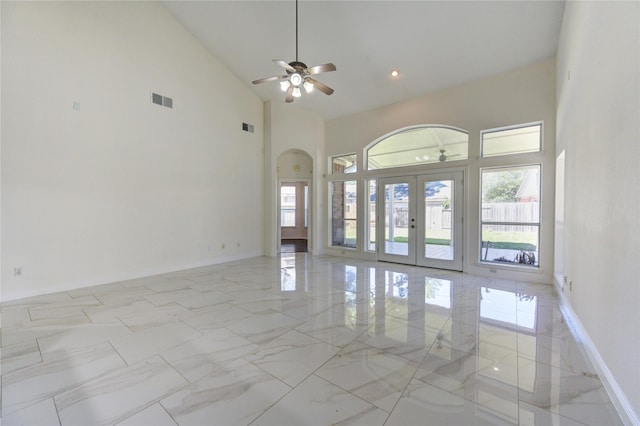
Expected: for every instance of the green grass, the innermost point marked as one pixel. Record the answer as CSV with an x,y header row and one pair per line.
x,y
434,241
510,240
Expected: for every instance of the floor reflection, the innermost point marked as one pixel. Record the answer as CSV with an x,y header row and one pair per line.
x,y
499,345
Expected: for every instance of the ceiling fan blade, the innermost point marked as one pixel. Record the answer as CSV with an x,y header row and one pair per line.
x,y
320,86
289,98
321,68
274,78
284,65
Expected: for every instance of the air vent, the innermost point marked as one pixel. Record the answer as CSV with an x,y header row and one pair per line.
x,y
247,127
162,100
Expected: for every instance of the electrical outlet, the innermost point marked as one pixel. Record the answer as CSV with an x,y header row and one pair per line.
x,y
17,271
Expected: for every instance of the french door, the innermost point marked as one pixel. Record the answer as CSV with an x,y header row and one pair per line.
x,y
421,220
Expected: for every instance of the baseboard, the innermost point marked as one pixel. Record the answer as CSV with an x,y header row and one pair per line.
x,y
130,275
618,397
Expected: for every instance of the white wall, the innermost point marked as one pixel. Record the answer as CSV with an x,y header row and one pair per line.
x,y
120,187
520,96
293,165
287,128
598,126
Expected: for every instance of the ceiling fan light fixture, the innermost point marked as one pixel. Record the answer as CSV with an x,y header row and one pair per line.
x,y
284,85
296,92
308,86
296,79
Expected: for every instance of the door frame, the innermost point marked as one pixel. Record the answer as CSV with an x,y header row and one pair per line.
x,y
416,252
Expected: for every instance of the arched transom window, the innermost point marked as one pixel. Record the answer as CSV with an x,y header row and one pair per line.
x,y
418,145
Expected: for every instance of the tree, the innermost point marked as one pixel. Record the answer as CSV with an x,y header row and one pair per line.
x,y
500,187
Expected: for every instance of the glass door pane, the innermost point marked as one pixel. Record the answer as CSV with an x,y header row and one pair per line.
x,y
397,206
371,215
440,220
438,209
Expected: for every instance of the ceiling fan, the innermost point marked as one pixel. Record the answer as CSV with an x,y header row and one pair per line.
x,y
444,158
298,75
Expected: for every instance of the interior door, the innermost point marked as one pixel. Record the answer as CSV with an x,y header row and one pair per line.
x,y
422,220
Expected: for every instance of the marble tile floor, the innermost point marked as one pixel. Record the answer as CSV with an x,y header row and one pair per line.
x,y
297,340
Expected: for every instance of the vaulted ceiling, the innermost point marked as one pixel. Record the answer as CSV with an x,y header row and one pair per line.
x,y
433,44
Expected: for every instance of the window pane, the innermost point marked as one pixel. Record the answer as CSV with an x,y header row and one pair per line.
x,y
371,218
344,164
511,215
512,141
511,195
287,205
343,217
417,146
513,244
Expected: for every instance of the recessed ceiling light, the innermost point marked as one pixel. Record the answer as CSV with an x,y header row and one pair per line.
x,y
394,73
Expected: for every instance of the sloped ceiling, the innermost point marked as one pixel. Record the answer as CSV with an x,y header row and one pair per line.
x,y
433,44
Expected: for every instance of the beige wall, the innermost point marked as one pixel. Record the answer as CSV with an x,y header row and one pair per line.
x,y
598,110
120,187
292,129
521,96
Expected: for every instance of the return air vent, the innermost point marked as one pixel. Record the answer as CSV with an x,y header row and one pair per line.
x,y
162,100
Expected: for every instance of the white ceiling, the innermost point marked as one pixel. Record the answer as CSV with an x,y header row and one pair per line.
x,y
433,44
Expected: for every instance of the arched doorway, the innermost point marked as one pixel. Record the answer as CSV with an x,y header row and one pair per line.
x,y
294,197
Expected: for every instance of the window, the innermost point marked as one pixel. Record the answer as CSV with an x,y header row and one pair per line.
x,y
513,140
510,217
288,205
344,164
418,145
343,213
294,205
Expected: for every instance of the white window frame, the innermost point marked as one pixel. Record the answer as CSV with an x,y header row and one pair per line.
x,y
513,127
537,224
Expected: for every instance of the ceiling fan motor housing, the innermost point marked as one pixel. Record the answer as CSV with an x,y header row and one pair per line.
x,y
299,66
